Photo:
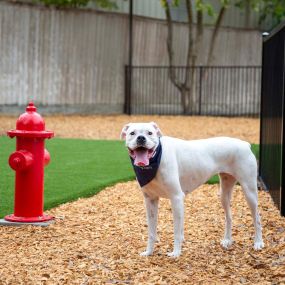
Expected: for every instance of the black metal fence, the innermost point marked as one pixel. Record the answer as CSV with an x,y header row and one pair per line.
x,y
218,91
272,151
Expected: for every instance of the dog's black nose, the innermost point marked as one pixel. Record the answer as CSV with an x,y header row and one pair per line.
x,y
141,140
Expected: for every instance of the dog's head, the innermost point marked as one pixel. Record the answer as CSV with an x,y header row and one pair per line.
x,y
141,140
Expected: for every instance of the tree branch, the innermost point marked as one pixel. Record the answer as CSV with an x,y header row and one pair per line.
x,y
170,48
199,27
190,31
215,33
190,61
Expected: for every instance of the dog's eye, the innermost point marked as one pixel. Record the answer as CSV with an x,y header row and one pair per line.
x,y
132,133
149,133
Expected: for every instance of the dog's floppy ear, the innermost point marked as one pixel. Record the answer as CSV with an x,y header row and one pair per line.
x,y
158,131
124,131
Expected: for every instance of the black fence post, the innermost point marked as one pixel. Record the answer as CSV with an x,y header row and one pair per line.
x,y
200,90
261,117
128,69
282,190
127,103
272,156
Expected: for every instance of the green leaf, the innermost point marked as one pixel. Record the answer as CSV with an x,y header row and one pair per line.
x,y
163,3
107,4
210,10
225,3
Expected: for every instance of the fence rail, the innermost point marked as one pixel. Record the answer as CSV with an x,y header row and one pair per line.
x,y
218,91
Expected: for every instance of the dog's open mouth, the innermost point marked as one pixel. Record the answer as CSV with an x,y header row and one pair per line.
x,y
141,155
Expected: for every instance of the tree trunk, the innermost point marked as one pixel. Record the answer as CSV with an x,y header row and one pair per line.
x,y
191,58
185,100
187,86
214,40
247,14
170,51
172,75
215,34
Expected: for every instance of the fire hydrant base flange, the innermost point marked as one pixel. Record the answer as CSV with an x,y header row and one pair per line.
x,y
43,218
3,222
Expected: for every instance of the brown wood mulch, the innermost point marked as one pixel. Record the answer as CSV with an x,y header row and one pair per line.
x,y
109,127
98,240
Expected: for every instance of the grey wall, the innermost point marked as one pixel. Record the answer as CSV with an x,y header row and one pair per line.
x,y
234,16
73,60
234,46
61,58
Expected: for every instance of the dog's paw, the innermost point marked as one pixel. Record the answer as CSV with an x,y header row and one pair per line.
x,y
146,253
258,245
226,243
174,254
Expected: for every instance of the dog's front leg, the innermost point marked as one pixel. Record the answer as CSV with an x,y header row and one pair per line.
x,y
177,204
151,214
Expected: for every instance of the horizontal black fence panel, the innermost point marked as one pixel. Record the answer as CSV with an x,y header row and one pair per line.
x,y
272,165
217,91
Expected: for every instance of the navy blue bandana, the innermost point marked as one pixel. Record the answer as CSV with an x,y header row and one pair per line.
x,y
145,174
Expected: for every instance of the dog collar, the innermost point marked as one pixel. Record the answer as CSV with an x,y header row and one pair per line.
x,y
145,174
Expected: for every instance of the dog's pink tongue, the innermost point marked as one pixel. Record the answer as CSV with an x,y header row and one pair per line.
x,y
141,158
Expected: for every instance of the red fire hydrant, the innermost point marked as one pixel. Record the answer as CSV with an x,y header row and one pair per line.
x,y
28,161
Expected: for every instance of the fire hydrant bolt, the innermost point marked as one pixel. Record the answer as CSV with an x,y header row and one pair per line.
x,y
46,157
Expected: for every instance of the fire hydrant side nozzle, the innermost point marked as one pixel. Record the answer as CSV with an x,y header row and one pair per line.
x,y
21,160
28,162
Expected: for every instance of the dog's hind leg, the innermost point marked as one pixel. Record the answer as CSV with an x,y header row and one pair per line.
x,y
227,183
247,177
250,192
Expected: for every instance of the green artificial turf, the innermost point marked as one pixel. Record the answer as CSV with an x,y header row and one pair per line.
x,y
78,168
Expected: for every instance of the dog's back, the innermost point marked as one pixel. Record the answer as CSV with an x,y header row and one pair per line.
x,y
197,160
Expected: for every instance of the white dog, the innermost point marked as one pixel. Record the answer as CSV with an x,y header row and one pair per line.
x,y
171,168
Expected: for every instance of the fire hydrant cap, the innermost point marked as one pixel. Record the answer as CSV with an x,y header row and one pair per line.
x,y
30,124
30,120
